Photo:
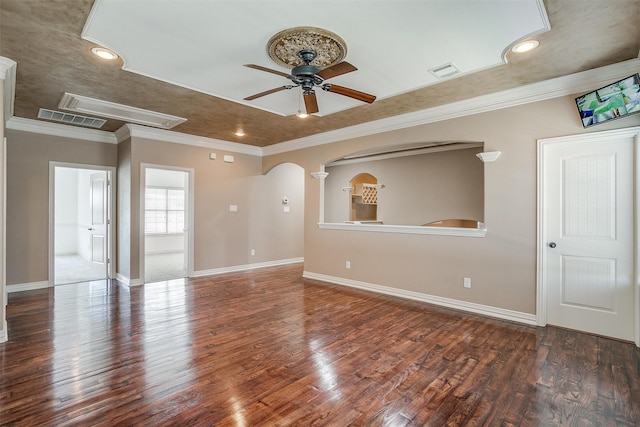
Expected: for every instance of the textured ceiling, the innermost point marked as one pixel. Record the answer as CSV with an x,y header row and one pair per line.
x,y
44,38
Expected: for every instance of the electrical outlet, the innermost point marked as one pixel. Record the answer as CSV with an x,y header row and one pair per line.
x,y
347,265
467,282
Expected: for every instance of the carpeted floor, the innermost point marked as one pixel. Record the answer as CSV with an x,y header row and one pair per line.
x,y
74,269
162,267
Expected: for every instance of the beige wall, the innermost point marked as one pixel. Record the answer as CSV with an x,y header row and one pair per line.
x,y
418,189
28,157
502,265
221,238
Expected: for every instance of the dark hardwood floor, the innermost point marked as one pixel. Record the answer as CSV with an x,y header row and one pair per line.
x,y
266,347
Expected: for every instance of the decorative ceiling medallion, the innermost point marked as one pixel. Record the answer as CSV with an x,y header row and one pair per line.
x,y
283,47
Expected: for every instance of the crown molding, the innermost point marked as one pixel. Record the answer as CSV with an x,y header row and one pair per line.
x,y
553,88
8,75
65,131
138,131
548,89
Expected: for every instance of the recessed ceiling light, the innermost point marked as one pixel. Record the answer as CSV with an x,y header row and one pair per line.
x,y
239,132
302,115
525,46
104,53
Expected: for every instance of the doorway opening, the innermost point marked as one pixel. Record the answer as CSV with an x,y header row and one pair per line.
x,y
166,212
364,198
80,223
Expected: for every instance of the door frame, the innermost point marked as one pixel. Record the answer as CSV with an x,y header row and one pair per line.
x,y
111,226
542,238
189,217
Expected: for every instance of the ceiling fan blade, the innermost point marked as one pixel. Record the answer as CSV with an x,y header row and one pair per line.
x,y
268,70
310,102
336,70
351,93
266,92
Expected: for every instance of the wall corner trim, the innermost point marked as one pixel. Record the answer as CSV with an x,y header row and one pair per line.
x,y
485,310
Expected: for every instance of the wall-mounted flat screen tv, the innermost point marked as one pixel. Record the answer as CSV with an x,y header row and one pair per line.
x,y
613,101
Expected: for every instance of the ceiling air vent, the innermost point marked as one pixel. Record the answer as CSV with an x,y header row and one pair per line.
x,y
125,113
70,119
444,71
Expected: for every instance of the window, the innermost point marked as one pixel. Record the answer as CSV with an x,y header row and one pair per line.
x,y
163,210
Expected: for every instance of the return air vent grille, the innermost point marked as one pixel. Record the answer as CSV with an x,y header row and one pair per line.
x,y
71,119
445,71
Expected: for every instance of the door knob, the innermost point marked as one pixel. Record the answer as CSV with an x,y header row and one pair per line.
x,y
90,228
552,245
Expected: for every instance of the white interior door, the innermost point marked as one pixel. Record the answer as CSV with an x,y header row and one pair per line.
x,y
588,233
98,219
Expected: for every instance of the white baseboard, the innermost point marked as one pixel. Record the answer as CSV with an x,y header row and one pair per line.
x,y
127,281
163,252
486,310
19,287
4,335
235,268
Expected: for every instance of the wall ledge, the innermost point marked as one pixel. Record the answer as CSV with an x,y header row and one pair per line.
x,y
244,267
405,229
485,310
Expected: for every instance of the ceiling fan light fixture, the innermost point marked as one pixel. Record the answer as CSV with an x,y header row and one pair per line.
x,y
525,46
284,47
104,53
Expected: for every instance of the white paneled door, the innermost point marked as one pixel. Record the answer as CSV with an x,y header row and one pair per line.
x,y
98,217
588,234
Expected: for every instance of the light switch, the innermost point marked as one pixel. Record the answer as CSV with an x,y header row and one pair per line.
x,y
233,208
212,156
228,158
287,208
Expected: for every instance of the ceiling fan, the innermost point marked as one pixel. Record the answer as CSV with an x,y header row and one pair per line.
x,y
308,77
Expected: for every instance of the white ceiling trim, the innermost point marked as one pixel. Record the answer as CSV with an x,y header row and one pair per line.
x,y
65,131
8,75
560,86
182,138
